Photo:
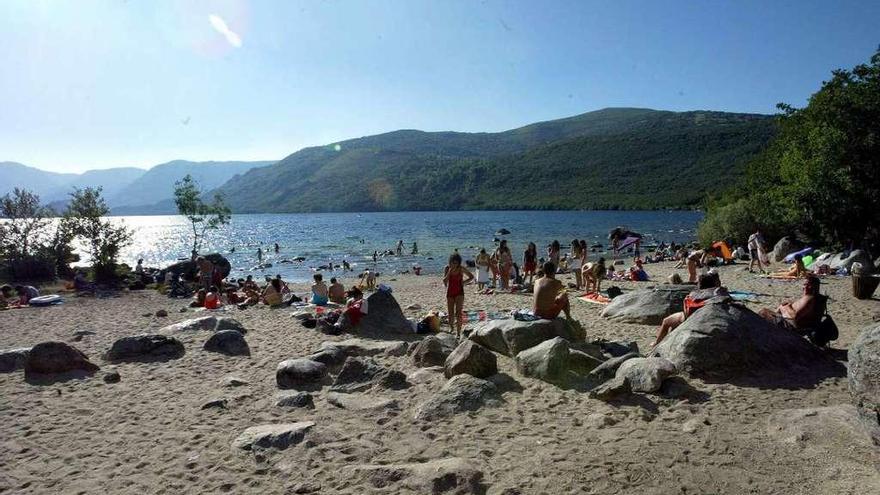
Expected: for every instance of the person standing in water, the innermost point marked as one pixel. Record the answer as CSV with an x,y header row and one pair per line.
x,y
454,278
482,264
277,248
530,261
400,247
260,255
415,249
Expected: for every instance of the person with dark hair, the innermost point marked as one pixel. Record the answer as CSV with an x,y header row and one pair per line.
x,y
348,319
553,253
336,291
454,278
212,298
6,296
482,264
272,293
550,297
530,261
756,247
797,270
505,263
805,313
575,262
320,292
708,286
206,272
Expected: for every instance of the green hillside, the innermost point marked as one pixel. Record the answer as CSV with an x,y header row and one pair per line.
x,y
609,159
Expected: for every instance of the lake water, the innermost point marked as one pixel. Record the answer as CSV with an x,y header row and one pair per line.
x,y
325,237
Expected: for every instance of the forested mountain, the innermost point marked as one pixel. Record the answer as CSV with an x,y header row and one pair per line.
x,y
611,158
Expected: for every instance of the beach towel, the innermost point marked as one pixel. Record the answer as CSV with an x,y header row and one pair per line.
x,y
594,298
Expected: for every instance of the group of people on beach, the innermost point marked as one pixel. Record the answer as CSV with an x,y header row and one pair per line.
x,y
17,296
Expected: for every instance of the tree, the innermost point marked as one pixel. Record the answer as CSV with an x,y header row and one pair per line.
x,y
27,225
821,175
202,216
84,220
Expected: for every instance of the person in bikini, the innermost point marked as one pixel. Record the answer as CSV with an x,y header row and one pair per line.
x,y
530,262
454,278
550,298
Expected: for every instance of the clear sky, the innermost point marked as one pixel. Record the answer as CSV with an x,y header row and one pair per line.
x,y
95,84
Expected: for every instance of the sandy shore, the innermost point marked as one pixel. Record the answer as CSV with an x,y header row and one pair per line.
x,y
147,434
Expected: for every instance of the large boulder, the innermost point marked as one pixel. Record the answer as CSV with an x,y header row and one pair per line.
x,y
227,323
331,356
189,269
647,306
295,373
546,361
431,351
841,262
57,357
608,369
646,374
13,359
510,337
146,347
451,475
280,436
461,393
383,317
471,358
368,347
864,377
725,339
362,374
786,246
229,342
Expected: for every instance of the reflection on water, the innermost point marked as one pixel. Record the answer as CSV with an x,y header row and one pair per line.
x,y
331,237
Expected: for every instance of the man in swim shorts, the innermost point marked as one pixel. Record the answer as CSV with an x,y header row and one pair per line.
x,y
550,297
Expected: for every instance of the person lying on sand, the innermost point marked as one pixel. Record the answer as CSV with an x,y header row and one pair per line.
x,y
797,270
708,286
805,313
336,291
550,297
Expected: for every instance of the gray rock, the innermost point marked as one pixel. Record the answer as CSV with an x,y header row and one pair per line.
x,y
234,381
581,363
13,359
189,269
192,325
229,342
647,306
608,369
362,374
146,347
365,347
430,351
227,323
330,356
459,394
646,374
471,358
279,436
546,361
112,377
510,337
397,349
838,261
451,475
614,387
724,339
297,399
786,246
56,357
360,402
835,431
294,373
384,317
425,375
864,377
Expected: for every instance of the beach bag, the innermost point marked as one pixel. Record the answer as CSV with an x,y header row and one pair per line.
x,y
824,333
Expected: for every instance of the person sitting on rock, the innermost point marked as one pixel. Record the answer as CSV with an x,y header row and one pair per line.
x,y
708,286
797,270
803,314
348,320
550,296
206,272
337,291
320,292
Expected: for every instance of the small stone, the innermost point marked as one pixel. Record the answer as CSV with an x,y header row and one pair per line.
x,y
183,310
233,381
161,313
215,404
112,377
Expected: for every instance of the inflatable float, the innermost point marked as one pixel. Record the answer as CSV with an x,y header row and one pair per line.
x,y
802,253
47,300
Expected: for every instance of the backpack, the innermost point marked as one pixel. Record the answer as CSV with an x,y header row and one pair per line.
x,y
826,331
613,292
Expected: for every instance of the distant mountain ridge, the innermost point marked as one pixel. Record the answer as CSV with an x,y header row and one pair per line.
x,y
611,158
123,187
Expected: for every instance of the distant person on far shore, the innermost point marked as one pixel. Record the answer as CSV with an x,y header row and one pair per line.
x,y
454,278
550,297
530,262
336,291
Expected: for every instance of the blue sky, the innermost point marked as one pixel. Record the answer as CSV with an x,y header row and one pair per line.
x,y
97,84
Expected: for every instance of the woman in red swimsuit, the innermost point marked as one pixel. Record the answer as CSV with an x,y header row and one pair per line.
x,y
454,278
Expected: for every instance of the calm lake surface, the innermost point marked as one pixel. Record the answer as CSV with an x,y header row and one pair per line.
x,y
325,237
